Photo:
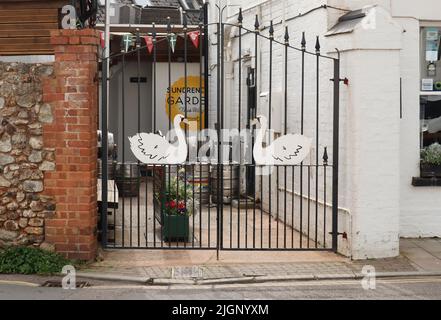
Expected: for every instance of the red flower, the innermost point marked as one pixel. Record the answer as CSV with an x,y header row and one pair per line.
x,y
172,204
181,205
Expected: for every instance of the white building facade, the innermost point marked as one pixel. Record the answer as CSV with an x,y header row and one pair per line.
x,y
385,55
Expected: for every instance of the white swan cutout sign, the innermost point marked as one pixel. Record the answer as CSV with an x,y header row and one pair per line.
x,y
153,148
150,148
290,149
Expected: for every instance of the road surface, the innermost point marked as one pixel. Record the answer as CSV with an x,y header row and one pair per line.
x,y
409,288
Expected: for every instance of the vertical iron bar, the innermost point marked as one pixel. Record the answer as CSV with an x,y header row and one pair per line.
x,y
206,64
254,167
231,206
309,205
221,130
293,201
193,203
218,96
154,130
123,145
114,206
131,209
303,43
324,206
201,56
169,97
104,141
169,113
317,141
185,109
325,165
138,171
285,129
269,129
335,153
239,122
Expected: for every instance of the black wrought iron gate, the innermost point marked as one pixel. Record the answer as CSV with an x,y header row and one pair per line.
x,y
218,197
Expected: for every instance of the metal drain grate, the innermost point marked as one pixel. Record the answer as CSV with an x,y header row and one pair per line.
x,y
57,284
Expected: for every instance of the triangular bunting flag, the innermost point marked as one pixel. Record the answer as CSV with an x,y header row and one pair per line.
x,y
102,40
172,38
194,37
149,43
126,42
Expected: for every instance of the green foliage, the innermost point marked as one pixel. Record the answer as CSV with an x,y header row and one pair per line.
x,y
178,197
28,260
432,154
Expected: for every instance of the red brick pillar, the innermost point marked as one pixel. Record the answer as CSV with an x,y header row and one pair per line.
x,y
72,93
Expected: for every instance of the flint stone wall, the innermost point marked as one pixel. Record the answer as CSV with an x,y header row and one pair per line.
x,y
23,156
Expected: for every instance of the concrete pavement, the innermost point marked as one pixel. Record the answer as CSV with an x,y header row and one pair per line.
x,y
164,267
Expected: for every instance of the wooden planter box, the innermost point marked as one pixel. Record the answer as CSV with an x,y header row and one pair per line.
x,y
175,228
430,171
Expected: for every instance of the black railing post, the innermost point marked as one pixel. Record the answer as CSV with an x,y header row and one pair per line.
x,y
206,65
218,97
104,152
335,153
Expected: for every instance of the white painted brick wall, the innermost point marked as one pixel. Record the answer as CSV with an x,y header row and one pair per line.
x,y
378,153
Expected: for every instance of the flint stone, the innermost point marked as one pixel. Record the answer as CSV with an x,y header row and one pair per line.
x,y
23,223
4,182
47,166
32,186
7,235
29,214
11,225
35,157
6,159
45,114
36,142
5,143
34,230
36,222
26,101
36,206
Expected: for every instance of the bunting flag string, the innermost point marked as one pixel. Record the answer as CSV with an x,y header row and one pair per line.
x,y
194,37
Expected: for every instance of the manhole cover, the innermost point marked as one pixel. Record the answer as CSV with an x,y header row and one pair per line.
x,y
57,284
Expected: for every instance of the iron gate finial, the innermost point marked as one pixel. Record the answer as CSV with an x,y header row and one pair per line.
x,y
317,45
303,41
286,35
256,23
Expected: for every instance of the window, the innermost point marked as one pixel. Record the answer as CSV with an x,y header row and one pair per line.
x,y
430,97
430,85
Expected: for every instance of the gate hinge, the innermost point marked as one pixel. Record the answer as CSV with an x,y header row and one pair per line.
x,y
343,234
344,80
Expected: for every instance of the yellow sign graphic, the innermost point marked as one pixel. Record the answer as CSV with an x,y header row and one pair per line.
x,y
179,98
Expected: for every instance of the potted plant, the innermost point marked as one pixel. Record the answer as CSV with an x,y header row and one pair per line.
x,y
431,161
176,209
